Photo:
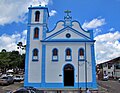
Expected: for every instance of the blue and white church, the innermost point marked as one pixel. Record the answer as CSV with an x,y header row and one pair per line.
x,y
63,58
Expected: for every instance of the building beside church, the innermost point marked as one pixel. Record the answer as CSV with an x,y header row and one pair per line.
x,y
61,58
109,68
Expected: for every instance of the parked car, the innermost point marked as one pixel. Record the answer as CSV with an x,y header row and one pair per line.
x,y
27,90
0,74
119,80
11,75
4,75
6,80
105,78
18,78
22,90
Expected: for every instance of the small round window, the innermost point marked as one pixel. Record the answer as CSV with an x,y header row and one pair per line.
x,y
68,35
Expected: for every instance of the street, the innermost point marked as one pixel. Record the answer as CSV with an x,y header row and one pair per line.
x,y
12,87
111,86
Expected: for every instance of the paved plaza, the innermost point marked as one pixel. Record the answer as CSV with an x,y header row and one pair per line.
x,y
109,86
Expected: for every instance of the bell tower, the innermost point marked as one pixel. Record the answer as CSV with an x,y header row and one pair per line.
x,y
37,27
38,21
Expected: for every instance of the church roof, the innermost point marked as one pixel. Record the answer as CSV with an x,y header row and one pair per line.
x,y
68,31
61,36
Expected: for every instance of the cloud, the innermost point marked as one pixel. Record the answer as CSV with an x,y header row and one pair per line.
x,y
93,24
12,11
107,46
97,31
39,2
15,10
52,12
112,29
9,42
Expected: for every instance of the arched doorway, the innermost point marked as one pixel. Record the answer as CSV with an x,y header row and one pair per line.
x,y
68,75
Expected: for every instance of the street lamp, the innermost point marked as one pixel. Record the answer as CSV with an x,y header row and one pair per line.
x,y
20,46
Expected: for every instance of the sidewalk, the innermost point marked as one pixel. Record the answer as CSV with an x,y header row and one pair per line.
x,y
102,90
17,85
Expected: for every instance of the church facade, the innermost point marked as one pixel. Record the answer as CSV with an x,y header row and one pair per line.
x,y
61,58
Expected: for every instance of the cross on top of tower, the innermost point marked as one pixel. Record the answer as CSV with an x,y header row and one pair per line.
x,y
67,12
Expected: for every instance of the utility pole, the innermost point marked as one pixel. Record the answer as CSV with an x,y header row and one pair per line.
x,y
85,68
78,75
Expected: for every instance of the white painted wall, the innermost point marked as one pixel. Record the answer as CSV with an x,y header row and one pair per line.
x,y
34,69
77,27
73,35
108,71
34,73
58,26
54,69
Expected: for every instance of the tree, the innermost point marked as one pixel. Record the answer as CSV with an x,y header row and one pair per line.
x,y
3,50
4,61
10,60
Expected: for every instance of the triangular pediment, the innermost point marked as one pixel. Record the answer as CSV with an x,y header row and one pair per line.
x,y
67,34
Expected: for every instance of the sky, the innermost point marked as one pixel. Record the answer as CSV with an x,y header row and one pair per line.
x,y
101,16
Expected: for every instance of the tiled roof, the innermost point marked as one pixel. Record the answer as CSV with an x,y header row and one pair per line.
x,y
115,60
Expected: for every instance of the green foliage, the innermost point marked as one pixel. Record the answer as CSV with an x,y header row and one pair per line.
x,y
11,60
3,50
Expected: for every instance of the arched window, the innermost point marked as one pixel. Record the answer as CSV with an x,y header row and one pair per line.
x,y
55,54
68,54
37,16
35,54
81,54
36,33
